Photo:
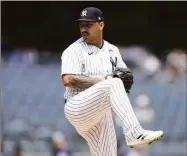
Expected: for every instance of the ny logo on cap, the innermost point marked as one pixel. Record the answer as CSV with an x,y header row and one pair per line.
x,y
84,12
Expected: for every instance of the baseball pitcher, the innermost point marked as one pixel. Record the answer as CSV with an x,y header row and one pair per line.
x,y
97,82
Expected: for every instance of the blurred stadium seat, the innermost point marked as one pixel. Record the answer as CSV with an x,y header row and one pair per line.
x,y
33,104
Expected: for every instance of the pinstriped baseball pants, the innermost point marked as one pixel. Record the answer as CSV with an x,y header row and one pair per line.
x,y
90,112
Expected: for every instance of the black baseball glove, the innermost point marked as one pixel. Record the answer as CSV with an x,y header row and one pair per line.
x,y
126,76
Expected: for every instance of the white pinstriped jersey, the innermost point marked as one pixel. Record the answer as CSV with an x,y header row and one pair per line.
x,y
84,59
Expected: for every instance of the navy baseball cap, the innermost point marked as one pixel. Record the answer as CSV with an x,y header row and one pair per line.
x,y
91,14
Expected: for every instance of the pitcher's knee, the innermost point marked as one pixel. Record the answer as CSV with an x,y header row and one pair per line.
x,y
117,81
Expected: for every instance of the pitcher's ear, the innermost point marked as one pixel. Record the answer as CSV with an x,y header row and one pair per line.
x,y
102,25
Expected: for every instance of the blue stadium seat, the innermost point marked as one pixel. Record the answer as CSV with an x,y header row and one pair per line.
x,y
33,97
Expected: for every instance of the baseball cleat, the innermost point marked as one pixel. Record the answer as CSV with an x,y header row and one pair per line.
x,y
147,138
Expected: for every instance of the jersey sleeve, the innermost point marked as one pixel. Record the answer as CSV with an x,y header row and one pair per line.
x,y
120,62
71,62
